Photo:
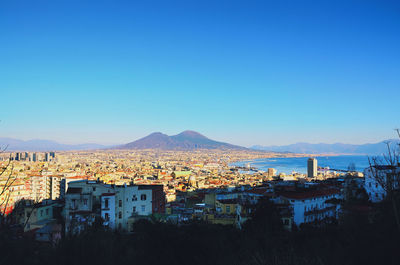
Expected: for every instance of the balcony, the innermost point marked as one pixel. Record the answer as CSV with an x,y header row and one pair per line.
x,y
319,211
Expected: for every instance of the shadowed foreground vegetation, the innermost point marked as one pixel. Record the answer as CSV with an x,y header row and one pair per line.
x,y
261,241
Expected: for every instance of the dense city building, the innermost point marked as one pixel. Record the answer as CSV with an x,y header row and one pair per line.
x,y
117,188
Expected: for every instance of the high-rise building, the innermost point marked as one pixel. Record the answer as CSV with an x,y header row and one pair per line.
x,y
312,168
271,172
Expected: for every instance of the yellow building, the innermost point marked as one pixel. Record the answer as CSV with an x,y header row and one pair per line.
x,y
37,216
229,207
220,220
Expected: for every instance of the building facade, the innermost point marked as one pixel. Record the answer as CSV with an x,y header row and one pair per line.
x,y
312,206
379,179
312,168
118,207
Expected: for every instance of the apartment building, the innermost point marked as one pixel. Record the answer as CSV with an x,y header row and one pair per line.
x,y
44,187
121,208
312,205
82,204
117,206
38,215
379,179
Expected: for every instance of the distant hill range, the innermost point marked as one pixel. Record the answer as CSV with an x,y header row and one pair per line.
x,y
187,140
44,145
190,140
337,148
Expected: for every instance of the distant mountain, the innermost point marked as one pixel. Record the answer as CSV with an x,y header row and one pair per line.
x,y
187,140
43,145
337,148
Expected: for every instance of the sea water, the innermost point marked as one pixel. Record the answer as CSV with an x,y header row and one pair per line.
x,y
299,164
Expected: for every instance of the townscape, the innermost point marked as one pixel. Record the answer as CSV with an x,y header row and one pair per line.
x,y
200,132
51,194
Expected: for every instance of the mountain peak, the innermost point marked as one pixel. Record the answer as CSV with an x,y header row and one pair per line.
x,y
186,140
191,134
157,134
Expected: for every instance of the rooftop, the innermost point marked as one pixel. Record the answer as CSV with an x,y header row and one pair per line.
x,y
306,194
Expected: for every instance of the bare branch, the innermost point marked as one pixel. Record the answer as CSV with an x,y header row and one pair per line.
x,y
4,149
5,206
8,183
5,168
35,205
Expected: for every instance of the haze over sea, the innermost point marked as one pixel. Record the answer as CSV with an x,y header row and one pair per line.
x,y
299,164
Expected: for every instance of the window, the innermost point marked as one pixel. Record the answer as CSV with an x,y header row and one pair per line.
x,y
47,211
106,216
120,215
228,209
120,203
94,188
134,209
134,198
143,208
143,197
84,201
41,213
106,203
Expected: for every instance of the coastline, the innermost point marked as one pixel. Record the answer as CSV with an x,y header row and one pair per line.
x,y
298,164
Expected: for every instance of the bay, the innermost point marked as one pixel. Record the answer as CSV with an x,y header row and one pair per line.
x,y
299,164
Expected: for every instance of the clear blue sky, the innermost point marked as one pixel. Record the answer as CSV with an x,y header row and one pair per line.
x,y
245,72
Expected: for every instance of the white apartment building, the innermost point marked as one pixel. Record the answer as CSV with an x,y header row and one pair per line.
x,y
312,206
126,203
45,187
375,189
118,206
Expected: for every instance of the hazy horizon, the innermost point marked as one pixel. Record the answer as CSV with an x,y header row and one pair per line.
x,y
132,140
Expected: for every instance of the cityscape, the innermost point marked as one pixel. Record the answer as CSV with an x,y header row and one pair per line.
x,y
200,132
51,196
185,181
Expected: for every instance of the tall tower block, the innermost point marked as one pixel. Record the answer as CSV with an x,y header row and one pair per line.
x,y
312,168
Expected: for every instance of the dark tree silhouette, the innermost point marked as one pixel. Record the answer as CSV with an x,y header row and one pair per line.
x,y
6,172
389,180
